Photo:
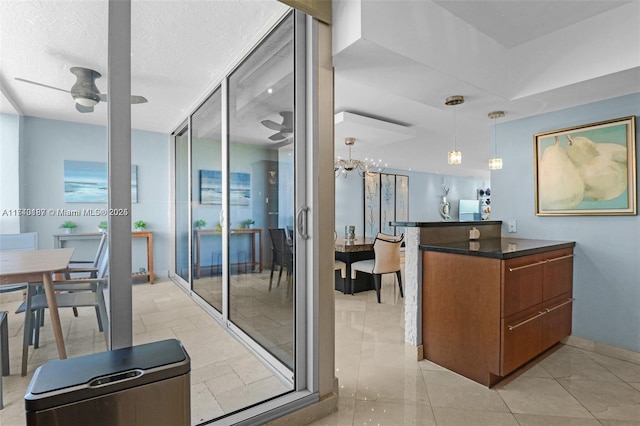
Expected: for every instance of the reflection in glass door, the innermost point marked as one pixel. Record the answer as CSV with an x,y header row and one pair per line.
x,y
261,194
182,201
206,193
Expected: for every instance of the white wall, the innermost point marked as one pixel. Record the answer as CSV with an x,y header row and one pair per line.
x,y
607,260
45,146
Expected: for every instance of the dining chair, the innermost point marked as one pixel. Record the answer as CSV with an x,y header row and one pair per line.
x,y
4,350
71,293
282,255
386,260
11,242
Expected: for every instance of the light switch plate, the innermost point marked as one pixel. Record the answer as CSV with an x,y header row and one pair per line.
x,y
511,226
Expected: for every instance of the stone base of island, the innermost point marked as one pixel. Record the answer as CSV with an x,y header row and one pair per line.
x,y
485,307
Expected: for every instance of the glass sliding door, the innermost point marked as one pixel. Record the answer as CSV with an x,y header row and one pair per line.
x,y
182,202
261,194
206,195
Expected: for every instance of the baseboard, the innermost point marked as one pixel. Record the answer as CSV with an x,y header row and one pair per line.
x,y
602,349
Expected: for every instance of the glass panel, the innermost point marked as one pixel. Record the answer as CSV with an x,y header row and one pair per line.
x,y
206,195
182,204
261,194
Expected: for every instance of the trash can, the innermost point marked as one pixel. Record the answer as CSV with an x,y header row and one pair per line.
x,y
141,385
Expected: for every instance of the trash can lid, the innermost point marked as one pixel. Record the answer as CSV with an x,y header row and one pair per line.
x,y
156,361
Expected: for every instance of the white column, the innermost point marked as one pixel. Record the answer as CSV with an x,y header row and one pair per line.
x,y
412,287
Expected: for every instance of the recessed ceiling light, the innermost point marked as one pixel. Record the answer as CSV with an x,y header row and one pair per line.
x,y
269,90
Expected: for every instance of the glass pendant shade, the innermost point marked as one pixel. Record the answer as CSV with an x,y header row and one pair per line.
x,y
455,157
495,163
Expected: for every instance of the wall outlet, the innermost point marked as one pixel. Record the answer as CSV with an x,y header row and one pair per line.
x,y
511,226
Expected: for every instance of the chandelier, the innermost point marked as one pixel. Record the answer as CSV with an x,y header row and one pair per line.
x,y
342,167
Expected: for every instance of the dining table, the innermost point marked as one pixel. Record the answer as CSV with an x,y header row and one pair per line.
x,y
349,251
35,266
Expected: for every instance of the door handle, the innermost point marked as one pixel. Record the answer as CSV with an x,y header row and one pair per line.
x,y
302,223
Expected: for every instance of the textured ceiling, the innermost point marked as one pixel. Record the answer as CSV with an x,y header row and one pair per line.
x,y
394,60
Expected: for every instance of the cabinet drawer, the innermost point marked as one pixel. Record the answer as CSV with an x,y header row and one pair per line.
x,y
521,339
522,284
558,274
556,321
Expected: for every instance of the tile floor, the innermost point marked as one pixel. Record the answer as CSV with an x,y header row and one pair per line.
x,y
225,376
382,384
380,381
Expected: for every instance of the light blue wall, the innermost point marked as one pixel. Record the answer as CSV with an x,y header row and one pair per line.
x,y
607,255
425,190
9,172
45,146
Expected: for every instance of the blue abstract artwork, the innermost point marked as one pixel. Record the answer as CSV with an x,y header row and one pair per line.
x,y
87,182
211,188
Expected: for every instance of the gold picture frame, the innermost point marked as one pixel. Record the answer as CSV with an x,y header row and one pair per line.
x,y
587,170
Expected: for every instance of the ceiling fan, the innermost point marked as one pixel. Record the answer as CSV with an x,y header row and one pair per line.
x,y
84,91
284,129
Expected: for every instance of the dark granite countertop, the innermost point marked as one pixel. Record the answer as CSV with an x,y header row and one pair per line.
x,y
498,248
444,223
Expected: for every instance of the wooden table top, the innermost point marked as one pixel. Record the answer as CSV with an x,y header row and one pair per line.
x,y
34,261
358,244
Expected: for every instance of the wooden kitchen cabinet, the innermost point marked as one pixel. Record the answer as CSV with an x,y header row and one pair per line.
x,y
485,316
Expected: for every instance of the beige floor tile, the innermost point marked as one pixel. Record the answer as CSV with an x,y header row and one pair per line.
x,y
531,395
203,404
606,400
250,394
342,417
575,365
462,417
389,384
619,422
392,414
425,364
635,385
386,354
627,371
448,389
540,420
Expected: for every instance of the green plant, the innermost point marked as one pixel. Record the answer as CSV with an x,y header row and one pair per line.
x,y
141,224
68,225
103,225
249,222
218,226
200,223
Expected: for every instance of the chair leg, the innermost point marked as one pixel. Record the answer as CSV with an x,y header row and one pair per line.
x,y
273,267
400,283
4,344
377,282
280,274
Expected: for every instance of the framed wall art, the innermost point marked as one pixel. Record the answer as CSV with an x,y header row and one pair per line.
x,y
587,170
386,199
211,188
86,182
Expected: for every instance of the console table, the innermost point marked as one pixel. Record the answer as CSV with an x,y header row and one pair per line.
x,y
253,232
59,239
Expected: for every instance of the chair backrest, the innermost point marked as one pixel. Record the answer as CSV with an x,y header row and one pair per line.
x,y
22,241
102,247
103,268
281,250
388,237
387,255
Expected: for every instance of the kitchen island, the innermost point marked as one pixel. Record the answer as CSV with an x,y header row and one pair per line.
x,y
491,305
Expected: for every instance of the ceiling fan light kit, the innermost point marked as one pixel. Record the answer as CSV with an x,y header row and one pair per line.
x,y
455,156
84,91
495,163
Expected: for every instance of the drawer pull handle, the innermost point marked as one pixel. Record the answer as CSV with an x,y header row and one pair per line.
x,y
527,266
566,302
560,258
513,327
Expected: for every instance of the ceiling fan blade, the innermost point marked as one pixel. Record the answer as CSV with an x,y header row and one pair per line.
x,y
287,119
83,109
40,84
135,99
277,136
270,124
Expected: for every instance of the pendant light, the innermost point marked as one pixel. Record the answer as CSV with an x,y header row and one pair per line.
x,y
495,163
455,156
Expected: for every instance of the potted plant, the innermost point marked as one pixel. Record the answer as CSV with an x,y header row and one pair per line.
x,y
200,223
140,225
248,223
102,226
68,226
218,226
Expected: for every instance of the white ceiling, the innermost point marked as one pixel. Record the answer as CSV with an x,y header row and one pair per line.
x,y
396,61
